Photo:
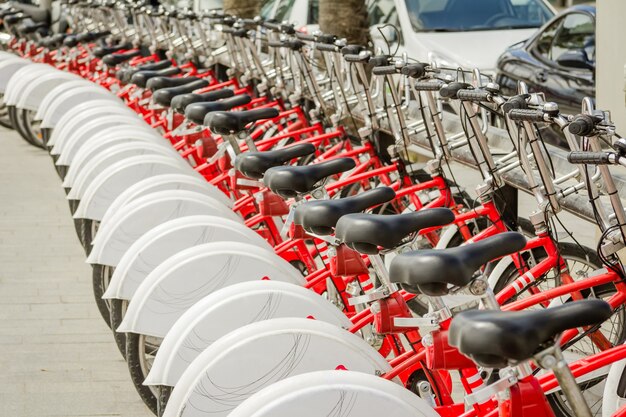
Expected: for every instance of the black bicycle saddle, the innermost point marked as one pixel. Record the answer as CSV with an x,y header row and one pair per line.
x,y
157,83
125,74
430,271
180,102
321,216
289,181
366,232
115,59
254,164
141,78
226,123
164,96
197,112
495,339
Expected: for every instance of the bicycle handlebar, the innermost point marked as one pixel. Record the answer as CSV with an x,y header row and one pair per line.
x,y
450,90
582,125
428,85
352,49
590,158
528,115
473,95
414,70
326,47
356,58
515,102
276,27
384,70
305,36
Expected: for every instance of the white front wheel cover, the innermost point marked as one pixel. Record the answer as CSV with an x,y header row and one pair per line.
x,y
228,309
334,393
253,357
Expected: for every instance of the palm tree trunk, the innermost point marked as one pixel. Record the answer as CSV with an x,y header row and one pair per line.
x,y
345,19
246,9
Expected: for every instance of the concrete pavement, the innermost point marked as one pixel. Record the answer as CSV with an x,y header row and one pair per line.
x,y
57,356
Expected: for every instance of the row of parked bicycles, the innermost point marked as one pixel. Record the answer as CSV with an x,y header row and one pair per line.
x,y
266,242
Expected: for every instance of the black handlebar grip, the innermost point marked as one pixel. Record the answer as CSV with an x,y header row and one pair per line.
x,y
450,90
428,85
414,70
294,45
528,115
477,95
249,22
326,47
352,49
379,61
515,102
590,158
276,27
582,125
241,33
305,36
227,20
326,38
356,58
386,70
288,28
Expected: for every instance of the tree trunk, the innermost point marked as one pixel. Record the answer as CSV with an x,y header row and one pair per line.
x,y
345,19
246,9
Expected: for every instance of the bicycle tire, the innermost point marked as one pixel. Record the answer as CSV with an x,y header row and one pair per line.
x,y
99,286
31,135
5,120
134,349
118,309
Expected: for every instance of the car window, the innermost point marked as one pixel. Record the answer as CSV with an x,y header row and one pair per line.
x,y
314,12
267,9
577,33
466,15
209,4
384,13
543,44
284,9
380,11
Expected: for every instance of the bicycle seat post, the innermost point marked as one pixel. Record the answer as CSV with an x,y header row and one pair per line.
x,y
552,359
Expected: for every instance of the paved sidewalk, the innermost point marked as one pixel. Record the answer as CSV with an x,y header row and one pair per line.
x,y
57,356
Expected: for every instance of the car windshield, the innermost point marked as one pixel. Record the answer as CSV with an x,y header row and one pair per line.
x,y
474,15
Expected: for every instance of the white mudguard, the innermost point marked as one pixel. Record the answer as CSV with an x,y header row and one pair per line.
x,y
91,150
105,188
109,156
334,393
229,309
167,239
68,100
253,357
8,67
82,114
6,55
186,277
165,182
146,212
59,90
614,396
25,76
126,132
36,91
